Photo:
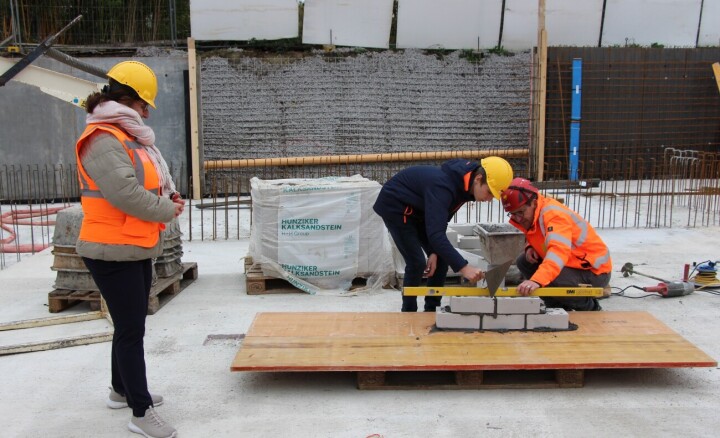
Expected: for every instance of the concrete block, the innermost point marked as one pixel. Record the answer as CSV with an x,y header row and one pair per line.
x,y
503,322
553,318
452,236
472,304
513,305
469,242
447,320
477,252
463,229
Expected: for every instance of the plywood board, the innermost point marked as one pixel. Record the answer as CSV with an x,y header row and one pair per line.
x,y
407,341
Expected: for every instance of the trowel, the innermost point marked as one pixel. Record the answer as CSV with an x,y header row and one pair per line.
x,y
495,276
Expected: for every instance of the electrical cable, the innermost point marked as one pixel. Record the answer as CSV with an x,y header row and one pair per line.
x,y
705,278
621,293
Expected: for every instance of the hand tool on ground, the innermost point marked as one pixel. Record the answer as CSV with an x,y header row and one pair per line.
x,y
494,278
665,288
628,269
671,289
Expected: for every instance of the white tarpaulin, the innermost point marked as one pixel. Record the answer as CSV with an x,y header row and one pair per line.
x,y
320,234
358,23
241,20
451,24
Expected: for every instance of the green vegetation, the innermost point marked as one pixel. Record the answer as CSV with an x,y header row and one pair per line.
x,y
471,55
500,50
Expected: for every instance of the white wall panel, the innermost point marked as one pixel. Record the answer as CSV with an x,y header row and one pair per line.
x,y
710,26
573,22
521,24
672,23
243,20
448,24
361,23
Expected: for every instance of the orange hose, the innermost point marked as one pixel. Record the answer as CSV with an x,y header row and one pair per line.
x,y
20,217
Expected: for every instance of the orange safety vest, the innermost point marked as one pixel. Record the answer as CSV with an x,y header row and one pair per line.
x,y
104,223
564,239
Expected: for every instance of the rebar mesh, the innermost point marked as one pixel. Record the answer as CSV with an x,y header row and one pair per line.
x,y
131,22
636,103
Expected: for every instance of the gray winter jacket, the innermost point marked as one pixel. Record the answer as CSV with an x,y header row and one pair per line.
x,y
107,163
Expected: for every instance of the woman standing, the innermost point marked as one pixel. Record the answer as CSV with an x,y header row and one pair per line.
x,y
127,195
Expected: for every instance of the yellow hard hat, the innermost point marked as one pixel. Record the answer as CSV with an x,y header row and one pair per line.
x,y
137,76
499,173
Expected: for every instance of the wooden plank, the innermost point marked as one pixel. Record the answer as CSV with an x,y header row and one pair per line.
x,y
194,119
53,320
408,341
58,343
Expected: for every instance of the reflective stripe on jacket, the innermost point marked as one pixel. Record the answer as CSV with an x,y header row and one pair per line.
x,y
564,239
104,223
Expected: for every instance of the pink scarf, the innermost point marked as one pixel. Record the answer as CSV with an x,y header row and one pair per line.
x,y
129,120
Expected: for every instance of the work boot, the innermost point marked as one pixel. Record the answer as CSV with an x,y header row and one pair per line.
x,y
151,425
118,401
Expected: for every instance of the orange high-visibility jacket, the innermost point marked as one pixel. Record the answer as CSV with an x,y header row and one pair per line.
x,y
564,239
104,223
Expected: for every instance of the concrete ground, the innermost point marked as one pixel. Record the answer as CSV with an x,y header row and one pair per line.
x,y
60,393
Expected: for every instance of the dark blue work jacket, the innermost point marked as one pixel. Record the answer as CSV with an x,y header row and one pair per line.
x,y
430,196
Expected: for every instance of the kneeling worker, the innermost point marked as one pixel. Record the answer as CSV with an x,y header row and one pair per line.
x,y
563,248
416,205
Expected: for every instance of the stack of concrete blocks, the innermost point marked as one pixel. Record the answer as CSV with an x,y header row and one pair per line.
x,y
72,274
169,263
499,313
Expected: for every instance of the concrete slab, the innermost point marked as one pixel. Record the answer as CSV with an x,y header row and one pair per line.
x,y
61,392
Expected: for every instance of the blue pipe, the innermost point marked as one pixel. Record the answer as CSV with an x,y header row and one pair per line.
x,y
575,118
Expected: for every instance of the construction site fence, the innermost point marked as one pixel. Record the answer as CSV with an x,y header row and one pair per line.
x,y
683,190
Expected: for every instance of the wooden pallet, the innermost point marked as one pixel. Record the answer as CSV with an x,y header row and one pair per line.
x,y
160,294
61,299
167,288
257,283
495,379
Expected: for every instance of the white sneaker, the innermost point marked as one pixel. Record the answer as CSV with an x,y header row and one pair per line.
x,y
118,401
151,425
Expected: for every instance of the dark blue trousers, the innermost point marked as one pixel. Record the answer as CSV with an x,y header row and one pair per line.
x,y
411,240
125,286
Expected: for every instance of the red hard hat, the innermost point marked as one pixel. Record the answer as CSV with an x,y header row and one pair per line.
x,y
519,193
